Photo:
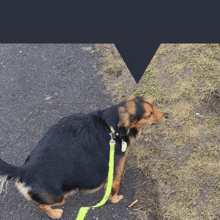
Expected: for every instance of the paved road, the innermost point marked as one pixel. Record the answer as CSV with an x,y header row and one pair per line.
x,y
66,77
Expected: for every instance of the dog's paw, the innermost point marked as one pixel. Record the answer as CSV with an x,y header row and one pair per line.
x,y
116,198
57,213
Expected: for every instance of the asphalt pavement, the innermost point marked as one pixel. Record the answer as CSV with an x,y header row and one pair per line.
x,y
40,84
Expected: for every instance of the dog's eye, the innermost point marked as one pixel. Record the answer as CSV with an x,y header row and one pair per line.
x,y
150,114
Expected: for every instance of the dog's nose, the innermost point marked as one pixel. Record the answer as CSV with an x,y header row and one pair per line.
x,y
166,115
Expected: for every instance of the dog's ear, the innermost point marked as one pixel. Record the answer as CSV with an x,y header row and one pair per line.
x,y
126,114
134,107
124,121
149,101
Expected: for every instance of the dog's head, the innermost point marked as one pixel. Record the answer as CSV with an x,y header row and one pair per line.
x,y
136,112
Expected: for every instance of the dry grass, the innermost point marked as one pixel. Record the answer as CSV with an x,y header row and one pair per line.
x,y
196,70
113,63
185,157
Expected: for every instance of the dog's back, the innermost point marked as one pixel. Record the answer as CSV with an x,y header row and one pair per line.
x,y
70,155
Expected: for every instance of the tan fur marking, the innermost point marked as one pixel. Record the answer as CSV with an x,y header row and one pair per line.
x,y
59,203
116,183
52,213
71,193
156,117
121,109
130,107
149,101
124,120
147,108
90,191
23,190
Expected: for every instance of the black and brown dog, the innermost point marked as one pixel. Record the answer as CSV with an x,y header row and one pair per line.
x,y
74,154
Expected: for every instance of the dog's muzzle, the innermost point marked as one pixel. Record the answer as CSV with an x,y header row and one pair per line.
x,y
166,115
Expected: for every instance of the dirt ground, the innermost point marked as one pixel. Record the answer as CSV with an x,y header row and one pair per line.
x,y
179,159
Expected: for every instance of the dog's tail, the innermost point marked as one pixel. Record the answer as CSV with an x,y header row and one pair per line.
x,y
8,172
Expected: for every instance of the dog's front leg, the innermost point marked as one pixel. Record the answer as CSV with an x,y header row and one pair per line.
x,y
114,197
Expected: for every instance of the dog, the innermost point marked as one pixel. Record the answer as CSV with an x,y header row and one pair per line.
x,y
74,154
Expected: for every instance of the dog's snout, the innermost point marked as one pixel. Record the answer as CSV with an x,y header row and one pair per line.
x,y
166,115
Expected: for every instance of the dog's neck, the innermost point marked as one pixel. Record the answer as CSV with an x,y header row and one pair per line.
x,y
111,117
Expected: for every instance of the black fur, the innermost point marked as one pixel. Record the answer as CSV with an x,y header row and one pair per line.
x,y
74,153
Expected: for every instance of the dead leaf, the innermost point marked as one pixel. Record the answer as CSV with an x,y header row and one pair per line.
x,y
47,98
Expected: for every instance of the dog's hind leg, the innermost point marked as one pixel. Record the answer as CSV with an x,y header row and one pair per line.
x,y
53,213
42,199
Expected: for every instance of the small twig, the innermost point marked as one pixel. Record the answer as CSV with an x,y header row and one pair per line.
x,y
133,203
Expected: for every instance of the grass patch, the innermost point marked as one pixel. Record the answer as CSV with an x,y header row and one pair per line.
x,y
204,161
184,90
185,157
179,77
191,72
150,88
112,65
178,210
112,62
202,59
117,87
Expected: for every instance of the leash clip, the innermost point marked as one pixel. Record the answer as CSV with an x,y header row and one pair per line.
x,y
112,134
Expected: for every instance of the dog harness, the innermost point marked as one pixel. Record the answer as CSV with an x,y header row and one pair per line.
x,y
84,210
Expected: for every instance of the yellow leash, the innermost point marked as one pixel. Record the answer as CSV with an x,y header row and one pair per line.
x,y
83,210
